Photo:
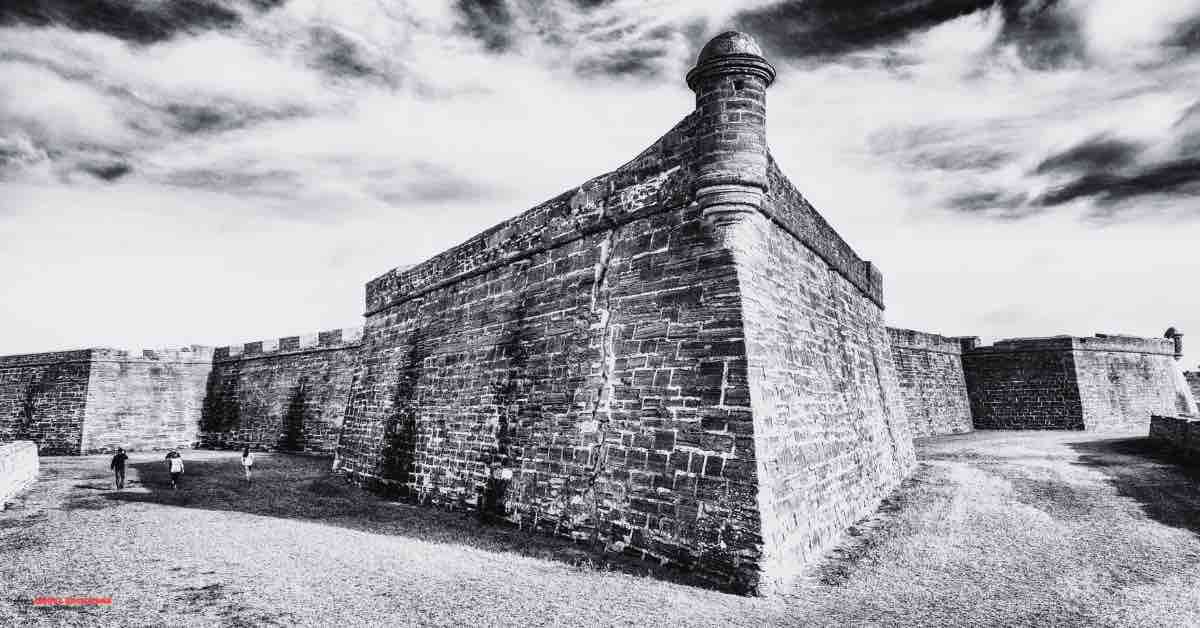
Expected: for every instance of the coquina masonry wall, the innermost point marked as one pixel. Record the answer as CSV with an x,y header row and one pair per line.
x,y
1193,380
932,382
1101,383
618,365
43,397
287,393
1124,380
831,435
145,399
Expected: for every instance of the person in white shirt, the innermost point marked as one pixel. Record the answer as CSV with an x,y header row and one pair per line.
x,y
247,461
175,466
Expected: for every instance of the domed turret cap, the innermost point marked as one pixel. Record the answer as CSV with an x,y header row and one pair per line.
x,y
731,52
729,43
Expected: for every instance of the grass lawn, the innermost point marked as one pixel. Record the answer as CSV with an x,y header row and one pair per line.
x,y
994,529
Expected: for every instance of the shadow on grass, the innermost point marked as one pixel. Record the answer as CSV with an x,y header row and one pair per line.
x,y
1164,484
303,488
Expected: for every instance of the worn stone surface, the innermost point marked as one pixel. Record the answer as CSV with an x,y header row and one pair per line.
x,y
932,382
18,468
43,397
1099,383
1181,434
286,393
830,430
623,365
1193,380
145,399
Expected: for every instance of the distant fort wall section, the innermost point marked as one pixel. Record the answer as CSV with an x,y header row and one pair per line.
x,y
932,381
43,398
1105,383
287,393
144,399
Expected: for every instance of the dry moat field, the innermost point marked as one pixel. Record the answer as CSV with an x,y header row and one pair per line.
x,y
995,529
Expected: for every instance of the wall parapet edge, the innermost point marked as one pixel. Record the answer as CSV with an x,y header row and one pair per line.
x,y
1099,342
327,340
924,341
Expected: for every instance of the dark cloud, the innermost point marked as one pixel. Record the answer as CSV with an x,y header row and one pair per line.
x,y
139,22
631,62
960,158
994,204
1179,177
1186,36
108,171
1099,153
489,21
825,28
338,55
1045,33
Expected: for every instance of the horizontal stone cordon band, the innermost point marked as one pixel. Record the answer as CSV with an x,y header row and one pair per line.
x,y
732,64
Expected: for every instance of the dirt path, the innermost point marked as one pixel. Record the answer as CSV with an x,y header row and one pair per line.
x,y
994,529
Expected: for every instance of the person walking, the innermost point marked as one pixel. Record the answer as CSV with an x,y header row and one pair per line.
x,y
247,461
175,467
118,468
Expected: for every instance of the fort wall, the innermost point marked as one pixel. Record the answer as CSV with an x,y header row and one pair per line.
x,y
144,399
286,393
1106,383
1193,380
18,468
43,397
830,430
930,369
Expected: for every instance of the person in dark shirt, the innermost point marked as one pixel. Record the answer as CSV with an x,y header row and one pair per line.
x,y
118,468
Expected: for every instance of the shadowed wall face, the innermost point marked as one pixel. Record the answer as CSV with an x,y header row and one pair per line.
x,y
149,399
1181,434
932,382
1024,385
43,397
287,394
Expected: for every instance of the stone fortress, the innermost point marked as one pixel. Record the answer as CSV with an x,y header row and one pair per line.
x,y
679,360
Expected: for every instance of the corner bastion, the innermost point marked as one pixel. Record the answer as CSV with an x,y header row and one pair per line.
x,y
679,360
1106,383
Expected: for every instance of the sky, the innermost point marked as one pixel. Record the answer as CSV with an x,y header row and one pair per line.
x,y
220,171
